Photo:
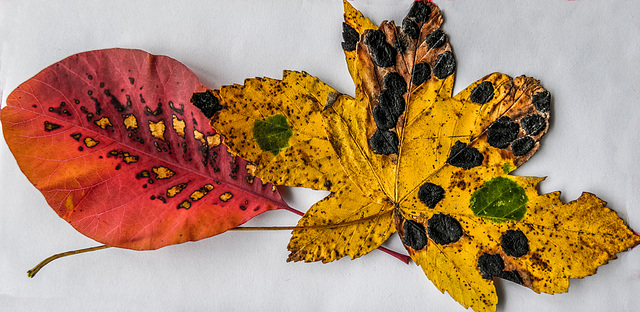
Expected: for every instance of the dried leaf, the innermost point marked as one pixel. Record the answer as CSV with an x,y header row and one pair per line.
x,y
112,141
405,148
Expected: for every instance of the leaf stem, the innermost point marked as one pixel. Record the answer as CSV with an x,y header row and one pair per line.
x,y
402,257
296,211
31,273
264,228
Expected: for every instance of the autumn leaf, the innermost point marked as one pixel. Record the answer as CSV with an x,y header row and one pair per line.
x,y
406,155
113,141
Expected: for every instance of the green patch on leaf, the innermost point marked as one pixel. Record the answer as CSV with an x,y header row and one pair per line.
x,y
499,199
272,133
507,167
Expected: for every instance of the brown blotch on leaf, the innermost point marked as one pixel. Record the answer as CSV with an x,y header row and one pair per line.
x,y
176,189
126,157
142,174
225,196
178,125
103,122
130,122
50,126
214,140
184,205
200,137
199,194
90,142
157,129
129,158
76,136
162,172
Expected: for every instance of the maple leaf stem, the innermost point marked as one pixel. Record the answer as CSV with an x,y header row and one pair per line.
x,y
397,255
31,273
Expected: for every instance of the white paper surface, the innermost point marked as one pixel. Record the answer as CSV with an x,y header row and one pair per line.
x,y
585,52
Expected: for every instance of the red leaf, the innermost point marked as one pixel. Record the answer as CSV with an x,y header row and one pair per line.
x,y
112,141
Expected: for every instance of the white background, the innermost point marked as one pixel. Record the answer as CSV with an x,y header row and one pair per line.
x,y
587,53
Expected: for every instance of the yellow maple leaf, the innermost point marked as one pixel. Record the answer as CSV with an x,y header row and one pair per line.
x,y
405,155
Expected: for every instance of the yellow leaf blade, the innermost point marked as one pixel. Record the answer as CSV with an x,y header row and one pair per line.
x,y
345,123
354,25
306,158
346,223
550,244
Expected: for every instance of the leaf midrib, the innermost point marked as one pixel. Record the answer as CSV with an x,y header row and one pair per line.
x,y
224,178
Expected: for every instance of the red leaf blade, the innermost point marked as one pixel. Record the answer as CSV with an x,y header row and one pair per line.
x,y
110,139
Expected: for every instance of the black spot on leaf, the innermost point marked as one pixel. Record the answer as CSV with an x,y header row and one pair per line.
x,y
383,54
391,105
395,83
414,235
502,132
464,157
542,101
482,93
350,37
392,102
375,38
384,142
206,102
384,120
430,194
443,229
401,43
419,11
522,145
327,184
421,73
511,276
515,243
436,39
445,65
114,101
533,124
410,28
490,265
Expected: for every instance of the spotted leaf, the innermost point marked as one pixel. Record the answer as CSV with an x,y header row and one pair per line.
x,y
405,151
113,141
